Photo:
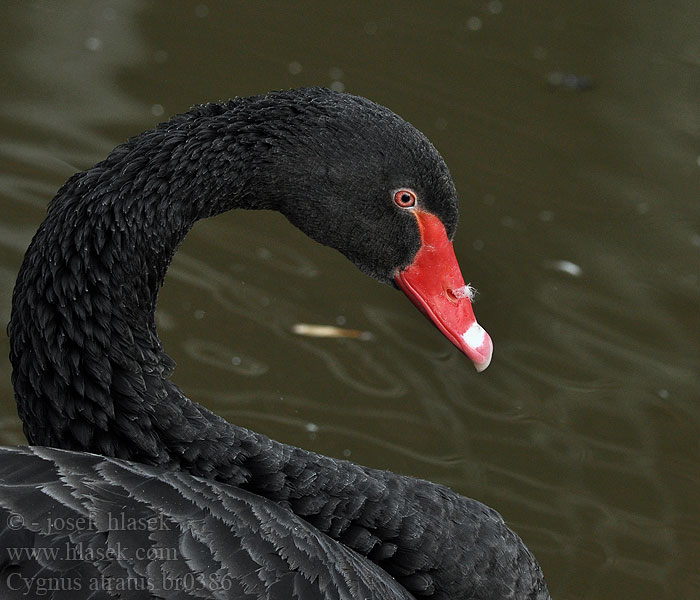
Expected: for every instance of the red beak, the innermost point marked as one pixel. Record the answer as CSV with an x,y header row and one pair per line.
x,y
435,285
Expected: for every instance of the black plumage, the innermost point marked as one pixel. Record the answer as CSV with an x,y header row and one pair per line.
x,y
90,374
77,524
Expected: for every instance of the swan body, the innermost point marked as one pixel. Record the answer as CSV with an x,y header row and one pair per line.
x,y
112,434
79,523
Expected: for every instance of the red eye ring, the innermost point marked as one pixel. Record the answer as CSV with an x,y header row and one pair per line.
x,y
405,198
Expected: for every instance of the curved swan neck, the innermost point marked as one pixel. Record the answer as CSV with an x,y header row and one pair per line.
x,y
89,371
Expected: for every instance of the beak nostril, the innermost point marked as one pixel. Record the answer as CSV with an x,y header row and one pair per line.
x,y
457,294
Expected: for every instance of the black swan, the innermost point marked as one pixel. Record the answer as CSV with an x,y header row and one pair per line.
x,y
130,489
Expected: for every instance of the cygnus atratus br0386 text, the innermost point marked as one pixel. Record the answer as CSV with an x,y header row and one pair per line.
x,y
248,516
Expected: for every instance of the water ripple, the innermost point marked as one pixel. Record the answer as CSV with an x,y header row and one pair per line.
x,y
352,362
224,358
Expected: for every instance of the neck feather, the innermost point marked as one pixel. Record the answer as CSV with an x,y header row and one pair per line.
x,y
89,370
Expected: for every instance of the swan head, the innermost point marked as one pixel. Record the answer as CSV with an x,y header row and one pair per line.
x,y
355,176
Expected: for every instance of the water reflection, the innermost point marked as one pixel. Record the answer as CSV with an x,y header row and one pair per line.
x,y
352,362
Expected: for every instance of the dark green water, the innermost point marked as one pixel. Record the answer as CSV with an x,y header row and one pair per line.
x,y
580,226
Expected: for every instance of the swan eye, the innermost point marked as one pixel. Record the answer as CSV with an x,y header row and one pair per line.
x,y
405,198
